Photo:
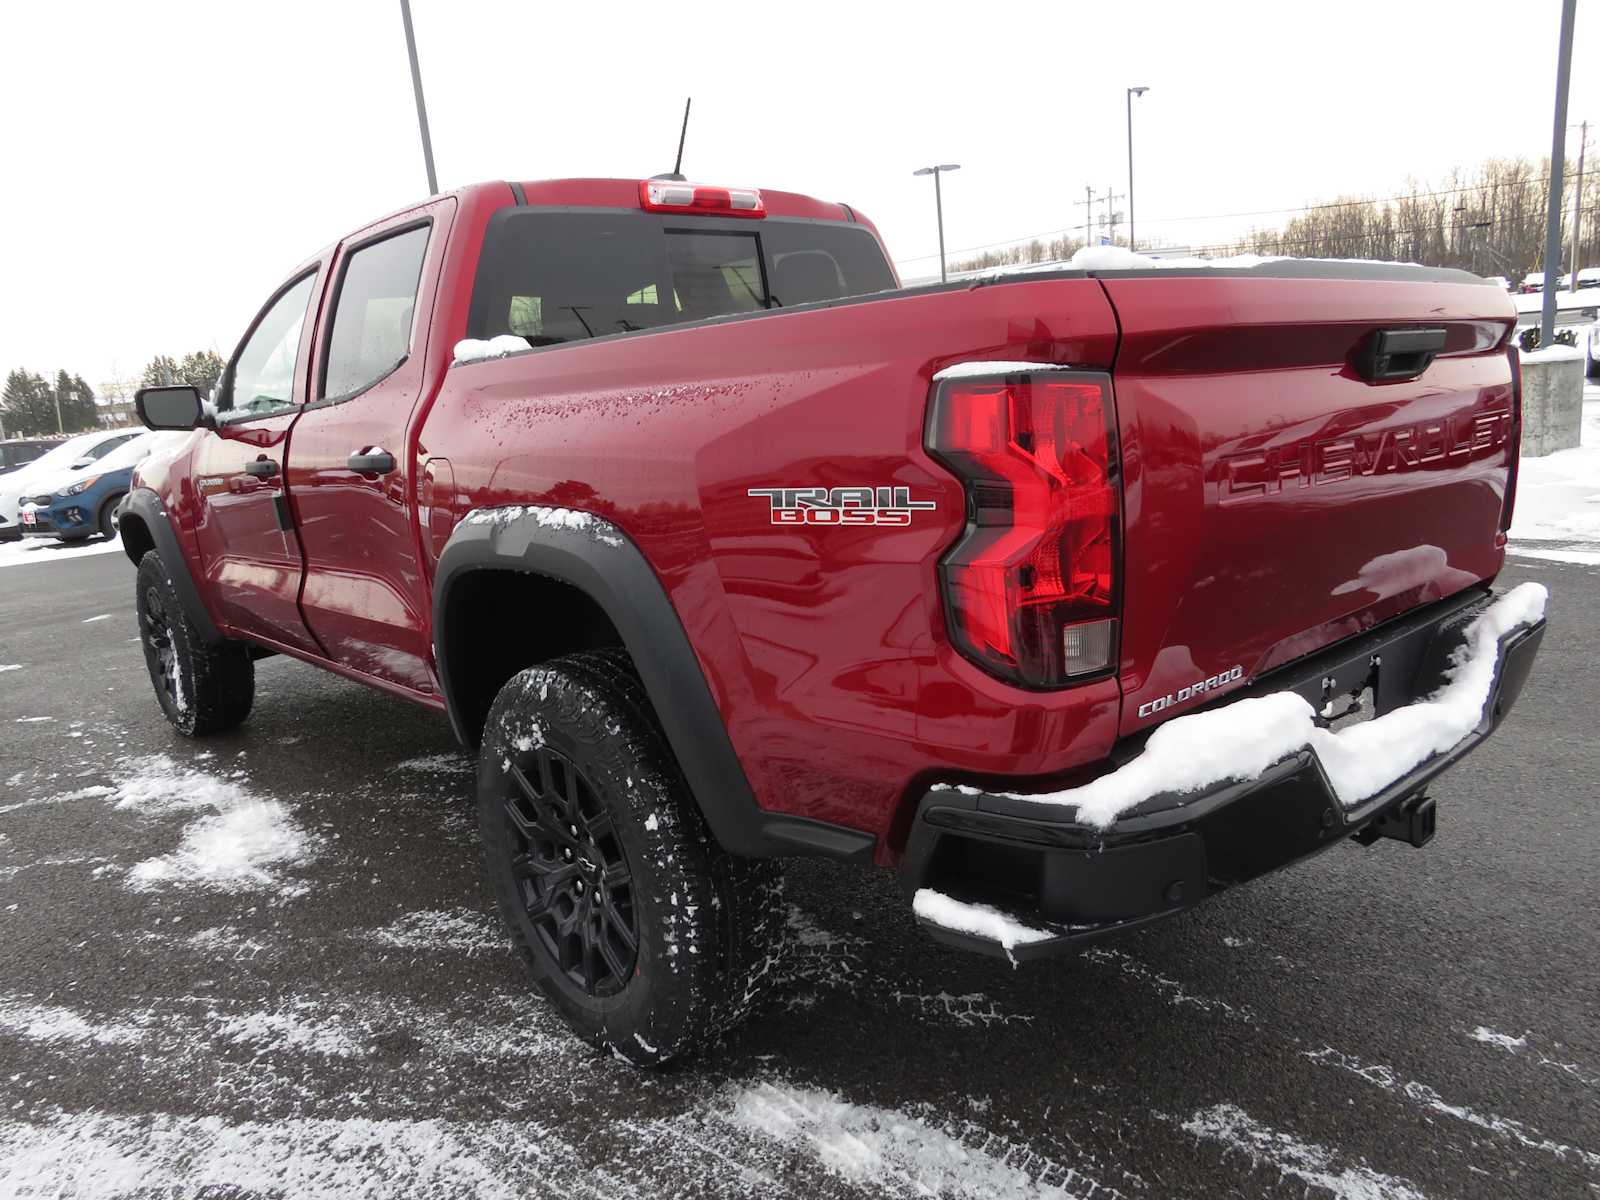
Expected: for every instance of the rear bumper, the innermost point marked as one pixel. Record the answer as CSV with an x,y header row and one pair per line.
x,y
1077,883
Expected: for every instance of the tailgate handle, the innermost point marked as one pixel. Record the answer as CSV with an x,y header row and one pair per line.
x,y
1397,353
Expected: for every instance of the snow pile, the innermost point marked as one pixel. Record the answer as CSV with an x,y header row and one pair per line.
x,y
1120,258
877,1147
1555,353
237,844
977,919
1239,741
1557,513
477,349
1312,1165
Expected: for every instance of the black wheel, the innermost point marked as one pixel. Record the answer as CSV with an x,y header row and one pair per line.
x,y
108,516
202,689
648,937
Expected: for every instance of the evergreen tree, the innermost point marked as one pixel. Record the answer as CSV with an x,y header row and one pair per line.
x,y
76,403
28,405
201,370
163,370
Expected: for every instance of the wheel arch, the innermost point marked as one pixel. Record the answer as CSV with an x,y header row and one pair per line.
x,y
609,595
145,526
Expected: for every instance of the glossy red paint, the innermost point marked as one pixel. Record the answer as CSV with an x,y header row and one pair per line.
x,y
824,647
1247,525
1275,501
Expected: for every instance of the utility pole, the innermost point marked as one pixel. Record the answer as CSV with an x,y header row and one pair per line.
x,y
1577,205
1088,212
1112,216
1552,232
57,394
422,108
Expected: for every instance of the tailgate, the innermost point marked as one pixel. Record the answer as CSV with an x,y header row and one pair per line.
x,y
1281,493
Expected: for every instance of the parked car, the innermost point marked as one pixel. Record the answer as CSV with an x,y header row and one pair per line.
x,y
74,454
1589,277
1532,282
80,502
16,453
1052,592
1501,282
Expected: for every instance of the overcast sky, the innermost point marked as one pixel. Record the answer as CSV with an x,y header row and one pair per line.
x,y
168,164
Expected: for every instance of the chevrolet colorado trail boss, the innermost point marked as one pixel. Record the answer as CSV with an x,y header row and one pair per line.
x,y
1076,597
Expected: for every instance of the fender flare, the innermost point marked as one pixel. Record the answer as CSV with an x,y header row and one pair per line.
x,y
594,556
145,506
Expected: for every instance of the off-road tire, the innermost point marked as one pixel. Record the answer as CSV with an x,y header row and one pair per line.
x,y
707,927
108,516
202,689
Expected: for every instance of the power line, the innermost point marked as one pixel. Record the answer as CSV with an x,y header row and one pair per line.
x,y
1262,212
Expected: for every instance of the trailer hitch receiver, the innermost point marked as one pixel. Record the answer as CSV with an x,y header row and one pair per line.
x,y
1411,821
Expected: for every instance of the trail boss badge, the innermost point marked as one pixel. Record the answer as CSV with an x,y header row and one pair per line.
x,y
842,505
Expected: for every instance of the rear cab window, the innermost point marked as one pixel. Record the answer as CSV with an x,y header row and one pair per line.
x,y
553,276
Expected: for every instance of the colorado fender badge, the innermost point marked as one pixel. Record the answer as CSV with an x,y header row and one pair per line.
x,y
842,505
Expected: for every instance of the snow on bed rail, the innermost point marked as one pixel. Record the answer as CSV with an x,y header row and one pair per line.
x,y
967,370
1241,740
477,349
980,920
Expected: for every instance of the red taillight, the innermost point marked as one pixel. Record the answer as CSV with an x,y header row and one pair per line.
x,y
1031,587
1514,447
667,195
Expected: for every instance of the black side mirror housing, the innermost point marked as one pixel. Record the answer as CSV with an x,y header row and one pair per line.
x,y
177,406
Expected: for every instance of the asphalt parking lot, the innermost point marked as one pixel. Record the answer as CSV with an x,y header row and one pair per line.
x,y
339,1016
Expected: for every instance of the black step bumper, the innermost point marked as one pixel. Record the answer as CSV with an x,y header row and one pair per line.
x,y
1077,883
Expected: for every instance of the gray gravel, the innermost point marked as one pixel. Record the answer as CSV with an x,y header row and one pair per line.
x,y
1373,1023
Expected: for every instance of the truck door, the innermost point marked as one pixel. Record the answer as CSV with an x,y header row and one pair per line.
x,y
351,467
246,538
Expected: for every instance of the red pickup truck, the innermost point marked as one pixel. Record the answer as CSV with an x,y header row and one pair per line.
x,y
1075,597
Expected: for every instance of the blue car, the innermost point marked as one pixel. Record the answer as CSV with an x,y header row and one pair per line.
x,y
79,504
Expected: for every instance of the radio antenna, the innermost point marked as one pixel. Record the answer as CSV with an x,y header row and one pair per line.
x,y
676,174
677,167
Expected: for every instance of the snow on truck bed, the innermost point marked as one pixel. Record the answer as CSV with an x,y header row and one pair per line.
x,y
1239,741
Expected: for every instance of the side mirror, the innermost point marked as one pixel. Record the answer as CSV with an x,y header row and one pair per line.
x,y
178,406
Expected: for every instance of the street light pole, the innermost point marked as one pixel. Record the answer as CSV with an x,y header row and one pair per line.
x,y
1132,92
1552,233
422,108
938,206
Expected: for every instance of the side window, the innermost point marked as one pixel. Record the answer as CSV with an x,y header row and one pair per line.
x,y
110,444
261,380
371,331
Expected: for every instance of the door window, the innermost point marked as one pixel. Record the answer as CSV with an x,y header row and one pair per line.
x,y
371,333
261,380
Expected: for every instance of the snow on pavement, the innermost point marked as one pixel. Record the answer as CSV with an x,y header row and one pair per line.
x,y
238,842
1557,514
35,551
1312,1165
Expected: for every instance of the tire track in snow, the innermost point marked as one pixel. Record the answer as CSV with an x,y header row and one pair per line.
x,y
1315,1166
1426,1098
